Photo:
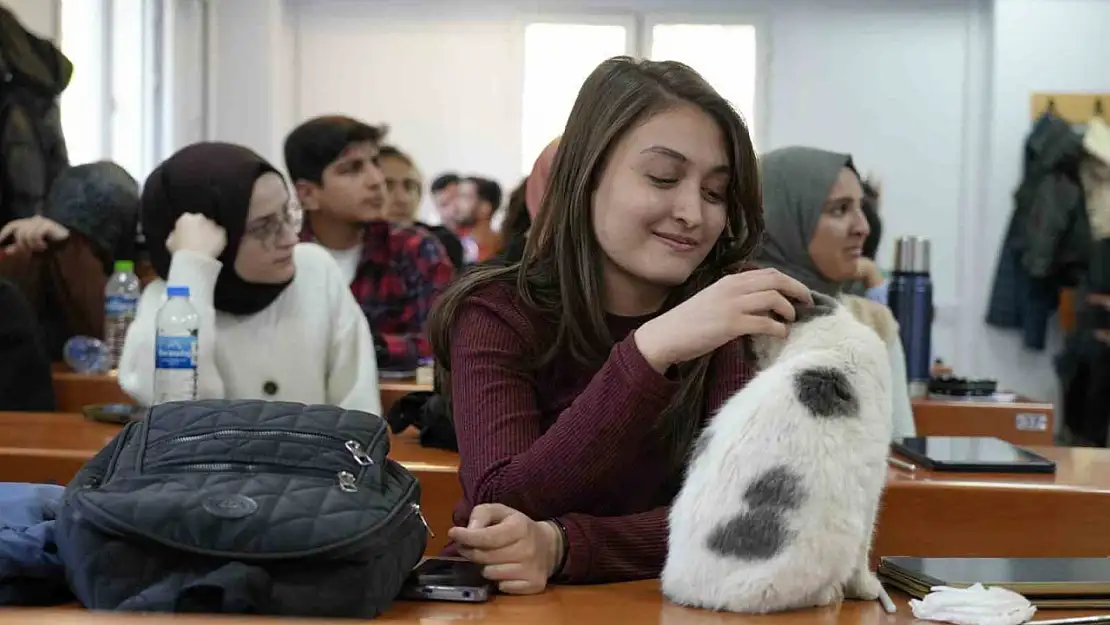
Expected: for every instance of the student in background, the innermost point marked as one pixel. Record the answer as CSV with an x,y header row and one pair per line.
x,y
816,229
395,272
525,202
61,259
445,190
579,378
403,187
477,202
25,377
870,281
277,320
539,177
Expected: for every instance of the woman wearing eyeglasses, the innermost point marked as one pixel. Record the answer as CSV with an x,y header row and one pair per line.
x,y
278,321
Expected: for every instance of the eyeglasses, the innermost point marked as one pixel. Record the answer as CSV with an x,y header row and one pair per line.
x,y
269,229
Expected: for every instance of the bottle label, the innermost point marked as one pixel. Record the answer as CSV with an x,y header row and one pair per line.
x,y
120,305
175,352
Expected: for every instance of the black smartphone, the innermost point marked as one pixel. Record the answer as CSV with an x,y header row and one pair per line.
x,y
113,413
447,579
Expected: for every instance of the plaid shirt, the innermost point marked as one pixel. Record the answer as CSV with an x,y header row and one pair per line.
x,y
401,272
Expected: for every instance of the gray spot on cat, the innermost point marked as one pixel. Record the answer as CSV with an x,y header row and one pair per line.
x,y
826,392
759,534
779,488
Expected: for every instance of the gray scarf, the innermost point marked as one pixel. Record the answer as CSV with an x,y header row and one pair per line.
x,y
796,182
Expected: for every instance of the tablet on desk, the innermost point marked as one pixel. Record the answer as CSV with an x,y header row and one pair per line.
x,y
979,454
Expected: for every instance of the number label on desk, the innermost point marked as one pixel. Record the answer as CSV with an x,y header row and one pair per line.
x,y
1031,422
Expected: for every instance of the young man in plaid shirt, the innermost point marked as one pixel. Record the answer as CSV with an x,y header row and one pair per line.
x,y
395,272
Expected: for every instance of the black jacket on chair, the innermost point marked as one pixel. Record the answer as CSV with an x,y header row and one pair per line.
x,y
26,383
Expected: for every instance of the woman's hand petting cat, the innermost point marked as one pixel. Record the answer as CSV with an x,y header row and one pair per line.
x,y
516,552
736,305
31,234
197,233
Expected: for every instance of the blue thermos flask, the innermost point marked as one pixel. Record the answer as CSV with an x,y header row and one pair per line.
x,y
911,300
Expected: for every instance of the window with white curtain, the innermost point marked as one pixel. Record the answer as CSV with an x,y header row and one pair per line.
x,y
557,59
559,55
83,103
109,111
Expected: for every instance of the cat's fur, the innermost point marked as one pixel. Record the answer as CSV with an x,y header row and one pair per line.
x,y
779,501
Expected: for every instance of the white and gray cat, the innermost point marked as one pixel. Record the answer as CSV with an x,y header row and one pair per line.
x,y
779,501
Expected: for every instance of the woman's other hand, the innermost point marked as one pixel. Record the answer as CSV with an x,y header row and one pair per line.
x,y
868,273
31,234
197,233
516,552
736,305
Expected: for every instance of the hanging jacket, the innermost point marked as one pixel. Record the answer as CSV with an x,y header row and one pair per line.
x,y
1048,241
32,148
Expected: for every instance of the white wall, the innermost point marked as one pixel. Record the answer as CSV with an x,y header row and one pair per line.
x,y
929,94
251,54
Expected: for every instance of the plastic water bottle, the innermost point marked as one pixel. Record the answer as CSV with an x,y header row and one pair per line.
x,y
121,300
175,348
87,355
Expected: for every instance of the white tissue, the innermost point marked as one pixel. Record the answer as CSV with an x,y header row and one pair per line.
x,y
976,605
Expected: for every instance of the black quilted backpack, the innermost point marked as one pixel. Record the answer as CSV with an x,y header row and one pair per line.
x,y
244,507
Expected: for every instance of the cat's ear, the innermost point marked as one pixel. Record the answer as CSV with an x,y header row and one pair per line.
x,y
823,305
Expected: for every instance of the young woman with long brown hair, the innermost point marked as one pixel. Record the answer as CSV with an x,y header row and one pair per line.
x,y
579,377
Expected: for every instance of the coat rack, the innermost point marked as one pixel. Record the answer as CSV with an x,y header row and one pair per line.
x,y
1075,108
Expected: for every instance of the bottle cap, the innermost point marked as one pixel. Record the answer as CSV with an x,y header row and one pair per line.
x,y
177,291
124,266
911,255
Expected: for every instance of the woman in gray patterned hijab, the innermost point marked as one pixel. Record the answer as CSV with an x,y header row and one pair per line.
x,y
815,232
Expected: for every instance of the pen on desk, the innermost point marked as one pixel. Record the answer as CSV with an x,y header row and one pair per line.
x,y
886,601
900,464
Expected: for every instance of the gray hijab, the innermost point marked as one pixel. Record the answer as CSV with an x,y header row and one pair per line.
x,y
796,182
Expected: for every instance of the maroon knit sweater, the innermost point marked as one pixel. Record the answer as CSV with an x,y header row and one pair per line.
x,y
569,442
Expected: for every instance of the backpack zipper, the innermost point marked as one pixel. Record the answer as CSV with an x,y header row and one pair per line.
x,y
361,456
345,479
420,513
242,433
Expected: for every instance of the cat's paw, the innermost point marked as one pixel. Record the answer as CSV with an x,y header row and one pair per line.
x,y
864,585
829,596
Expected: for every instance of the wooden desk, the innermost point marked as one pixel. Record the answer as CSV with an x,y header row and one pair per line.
x,y
1021,423
633,602
923,513
964,514
438,472
74,391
